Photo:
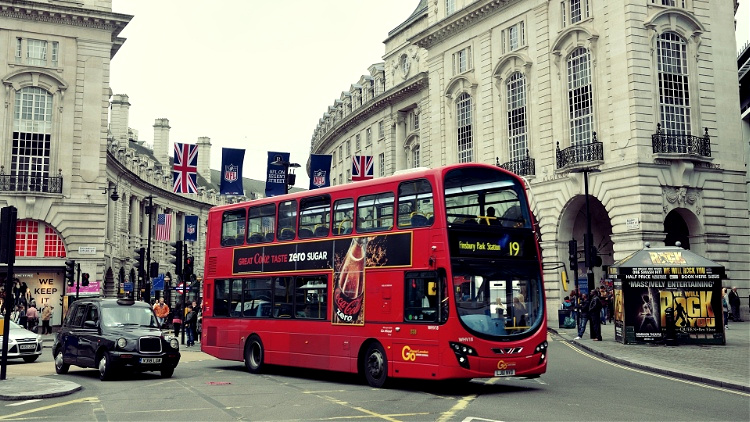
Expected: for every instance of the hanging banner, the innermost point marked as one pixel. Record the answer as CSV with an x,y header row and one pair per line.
x,y
231,171
320,171
278,165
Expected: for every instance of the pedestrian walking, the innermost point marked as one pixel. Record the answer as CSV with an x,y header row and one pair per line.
x,y
46,317
22,320
725,306
161,310
191,319
177,320
595,310
583,314
734,304
32,317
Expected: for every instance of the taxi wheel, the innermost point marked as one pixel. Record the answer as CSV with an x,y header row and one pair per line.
x,y
375,365
105,367
254,354
60,366
167,372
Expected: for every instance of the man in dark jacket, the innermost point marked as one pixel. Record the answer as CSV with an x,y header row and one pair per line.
x,y
595,309
583,314
734,304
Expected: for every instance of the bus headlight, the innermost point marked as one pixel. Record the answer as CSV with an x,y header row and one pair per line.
x,y
541,348
462,353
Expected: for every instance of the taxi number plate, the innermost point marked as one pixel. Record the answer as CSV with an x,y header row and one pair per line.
x,y
150,360
28,346
505,372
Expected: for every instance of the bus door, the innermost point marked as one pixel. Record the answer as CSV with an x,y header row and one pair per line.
x,y
416,346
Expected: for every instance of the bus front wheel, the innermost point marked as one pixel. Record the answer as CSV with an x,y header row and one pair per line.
x,y
254,354
376,365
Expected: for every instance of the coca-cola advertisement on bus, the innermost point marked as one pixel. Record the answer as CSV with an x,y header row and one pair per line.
x,y
348,257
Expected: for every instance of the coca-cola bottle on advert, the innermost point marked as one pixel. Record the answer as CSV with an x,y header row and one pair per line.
x,y
350,286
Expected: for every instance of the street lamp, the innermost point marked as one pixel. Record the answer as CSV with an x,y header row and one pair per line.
x,y
167,288
588,239
150,212
291,178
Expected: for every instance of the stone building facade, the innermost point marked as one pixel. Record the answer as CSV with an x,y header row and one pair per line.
x,y
80,185
636,99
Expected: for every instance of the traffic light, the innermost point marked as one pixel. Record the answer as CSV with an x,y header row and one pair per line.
x,y
140,259
573,254
188,266
70,272
178,257
592,258
195,285
85,279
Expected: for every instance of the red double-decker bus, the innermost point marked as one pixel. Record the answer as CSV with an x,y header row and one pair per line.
x,y
431,274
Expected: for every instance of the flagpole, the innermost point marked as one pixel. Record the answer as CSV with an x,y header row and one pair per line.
x,y
150,211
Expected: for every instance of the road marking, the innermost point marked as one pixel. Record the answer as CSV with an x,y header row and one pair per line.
x,y
667,377
367,413
21,403
461,405
52,406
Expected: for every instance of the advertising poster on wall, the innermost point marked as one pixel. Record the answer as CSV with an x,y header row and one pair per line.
x,y
654,283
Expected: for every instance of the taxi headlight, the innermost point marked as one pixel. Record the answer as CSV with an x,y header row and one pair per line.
x,y
174,343
121,343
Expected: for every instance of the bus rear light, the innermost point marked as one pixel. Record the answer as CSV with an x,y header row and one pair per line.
x,y
462,353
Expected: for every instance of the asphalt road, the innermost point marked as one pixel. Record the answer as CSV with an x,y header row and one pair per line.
x,y
577,387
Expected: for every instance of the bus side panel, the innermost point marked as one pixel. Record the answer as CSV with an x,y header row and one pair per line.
x,y
415,359
343,353
276,344
310,347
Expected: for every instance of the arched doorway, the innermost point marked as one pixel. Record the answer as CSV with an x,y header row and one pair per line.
x,y
676,230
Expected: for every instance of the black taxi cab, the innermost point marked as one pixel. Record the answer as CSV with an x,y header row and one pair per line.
x,y
113,335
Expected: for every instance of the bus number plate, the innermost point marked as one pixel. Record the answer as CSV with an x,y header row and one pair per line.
x,y
505,372
150,360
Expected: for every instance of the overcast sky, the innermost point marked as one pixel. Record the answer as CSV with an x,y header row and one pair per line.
x,y
248,74
254,74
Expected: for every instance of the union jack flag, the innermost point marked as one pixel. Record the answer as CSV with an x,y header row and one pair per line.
x,y
185,168
362,167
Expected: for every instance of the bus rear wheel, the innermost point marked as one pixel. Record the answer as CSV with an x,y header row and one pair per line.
x,y
254,354
375,365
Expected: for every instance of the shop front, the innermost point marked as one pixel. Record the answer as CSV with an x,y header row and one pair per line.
x,y
667,294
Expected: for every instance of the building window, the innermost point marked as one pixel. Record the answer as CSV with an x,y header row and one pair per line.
x,y
574,11
19,50
348,147
32,126
53,244
462,61
357,142
368,136
381,163
517,116
415,156
580,100
450,7
27,236
341,154
413,120
348,175
36,52
514,37
463,123
672,3
381,130
674,97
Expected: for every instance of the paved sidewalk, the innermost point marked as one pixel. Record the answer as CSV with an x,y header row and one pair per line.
x,y
726,366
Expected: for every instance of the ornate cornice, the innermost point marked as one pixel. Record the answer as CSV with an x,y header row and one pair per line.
x,y
457,22
395,94
65,15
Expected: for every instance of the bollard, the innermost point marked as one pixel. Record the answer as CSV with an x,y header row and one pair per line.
x,y
670,338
